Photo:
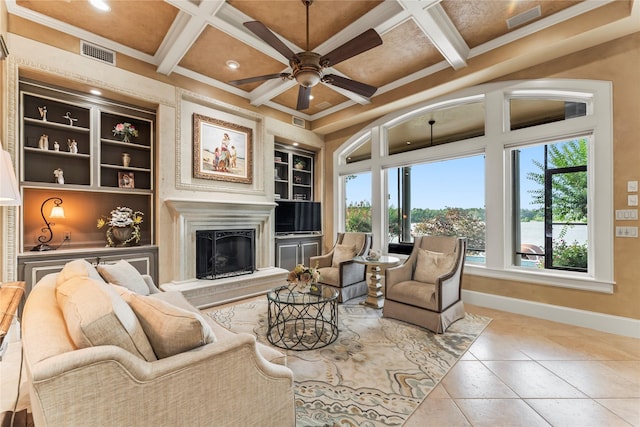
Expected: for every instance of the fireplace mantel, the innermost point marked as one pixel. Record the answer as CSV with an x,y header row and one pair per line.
x,y
189,215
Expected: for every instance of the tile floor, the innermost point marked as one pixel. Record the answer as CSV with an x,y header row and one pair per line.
x,y
523,371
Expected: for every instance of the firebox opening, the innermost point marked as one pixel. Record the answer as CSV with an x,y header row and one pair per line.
x,y
225,253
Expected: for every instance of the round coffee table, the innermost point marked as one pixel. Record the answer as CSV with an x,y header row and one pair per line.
x,y
302,320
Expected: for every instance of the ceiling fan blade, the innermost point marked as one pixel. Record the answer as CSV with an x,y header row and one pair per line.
x,y
365,41
258,79
303,98
261,30
350,85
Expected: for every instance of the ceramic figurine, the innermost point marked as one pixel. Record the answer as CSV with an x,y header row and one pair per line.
x,y
43,143
59,174
43,113
56,146
68,117
73,146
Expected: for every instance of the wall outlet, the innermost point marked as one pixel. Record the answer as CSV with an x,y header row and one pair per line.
x,y
632,200
66,235
632,186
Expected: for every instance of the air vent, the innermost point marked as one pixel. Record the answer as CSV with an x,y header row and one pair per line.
x,y
97,52
524,17
297,121
323,105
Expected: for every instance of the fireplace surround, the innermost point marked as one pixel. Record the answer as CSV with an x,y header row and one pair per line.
x,y
190,216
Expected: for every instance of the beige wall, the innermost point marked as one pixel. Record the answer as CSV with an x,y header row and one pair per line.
x,y
617,61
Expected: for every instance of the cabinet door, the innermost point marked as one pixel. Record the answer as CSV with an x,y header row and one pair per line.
x,y
287,254
308,248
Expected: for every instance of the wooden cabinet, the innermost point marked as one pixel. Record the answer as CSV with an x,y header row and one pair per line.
x,y
292,250
293,170
33,266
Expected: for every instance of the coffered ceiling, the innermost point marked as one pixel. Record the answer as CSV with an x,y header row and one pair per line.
x,y
196,38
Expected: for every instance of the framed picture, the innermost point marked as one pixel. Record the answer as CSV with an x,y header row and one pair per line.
x,y
222,150
125,180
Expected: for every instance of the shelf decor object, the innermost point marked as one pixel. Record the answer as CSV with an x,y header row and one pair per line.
x,y
124,226
126,130
57,212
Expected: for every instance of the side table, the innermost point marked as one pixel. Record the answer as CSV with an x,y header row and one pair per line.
x,y
10,297
375,296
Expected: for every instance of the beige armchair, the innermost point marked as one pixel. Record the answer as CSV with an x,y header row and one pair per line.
x,y
337,270
426,289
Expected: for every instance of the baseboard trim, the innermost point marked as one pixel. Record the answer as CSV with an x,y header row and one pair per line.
x,y
602,322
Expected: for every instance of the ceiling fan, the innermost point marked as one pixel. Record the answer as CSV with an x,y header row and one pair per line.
x,y
308,67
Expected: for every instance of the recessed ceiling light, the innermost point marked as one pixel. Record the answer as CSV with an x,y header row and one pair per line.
x,y
100,5
233,64
310,97
95,92
408,142
295,144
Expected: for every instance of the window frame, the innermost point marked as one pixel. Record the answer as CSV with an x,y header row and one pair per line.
x,y
498,140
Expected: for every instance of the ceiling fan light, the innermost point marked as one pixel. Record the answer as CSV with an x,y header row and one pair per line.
x,y
308,78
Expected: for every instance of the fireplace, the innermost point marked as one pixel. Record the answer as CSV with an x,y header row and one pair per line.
x,y
225,253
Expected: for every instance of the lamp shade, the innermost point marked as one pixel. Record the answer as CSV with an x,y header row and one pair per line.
x,y
57,212
9,192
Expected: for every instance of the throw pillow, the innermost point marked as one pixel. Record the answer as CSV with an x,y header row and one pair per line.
x,y
124,274
170,329
431,265
77,268
342,253
96,315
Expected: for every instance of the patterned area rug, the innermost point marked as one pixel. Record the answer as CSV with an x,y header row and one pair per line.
x,y
375,374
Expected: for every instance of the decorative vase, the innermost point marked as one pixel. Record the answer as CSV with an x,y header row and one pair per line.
x,y
126,160
299,166
125,138
121,234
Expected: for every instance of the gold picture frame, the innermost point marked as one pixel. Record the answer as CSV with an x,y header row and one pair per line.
x,y
222,150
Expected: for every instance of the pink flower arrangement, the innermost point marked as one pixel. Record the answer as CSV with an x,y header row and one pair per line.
x,y
125,129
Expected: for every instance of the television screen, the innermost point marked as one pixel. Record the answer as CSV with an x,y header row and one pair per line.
x,y
298,217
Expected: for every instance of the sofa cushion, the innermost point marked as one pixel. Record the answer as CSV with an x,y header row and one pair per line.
x,y
170,329
96,315
124,274
342,253
77,268
431,265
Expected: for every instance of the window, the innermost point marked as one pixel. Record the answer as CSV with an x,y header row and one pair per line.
x,y
550,206
524,168
358,206
443,198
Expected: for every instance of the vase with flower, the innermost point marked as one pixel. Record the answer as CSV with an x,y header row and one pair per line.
x,y
304,279
126,131
123,226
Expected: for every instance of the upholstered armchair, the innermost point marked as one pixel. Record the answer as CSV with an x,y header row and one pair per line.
x,y
338,270
426,289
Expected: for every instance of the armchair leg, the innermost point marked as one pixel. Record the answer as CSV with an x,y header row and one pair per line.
x,y
375,296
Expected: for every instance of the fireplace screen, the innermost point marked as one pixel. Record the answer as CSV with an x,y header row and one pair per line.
x,y
224,253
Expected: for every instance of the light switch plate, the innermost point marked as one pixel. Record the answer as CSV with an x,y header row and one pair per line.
x,y
632,186
626,231
632,200
626,214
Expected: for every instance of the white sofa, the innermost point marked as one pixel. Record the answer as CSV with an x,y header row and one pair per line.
x,y
233,381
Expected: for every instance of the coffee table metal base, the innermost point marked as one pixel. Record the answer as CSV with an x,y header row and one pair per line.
x,y
302,321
